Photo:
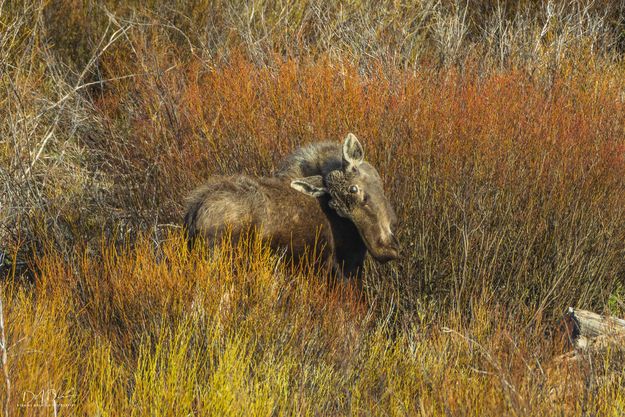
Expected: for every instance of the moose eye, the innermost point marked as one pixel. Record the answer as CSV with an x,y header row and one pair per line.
x,y
353,189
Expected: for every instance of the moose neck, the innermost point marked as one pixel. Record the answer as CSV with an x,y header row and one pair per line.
x,y
349,248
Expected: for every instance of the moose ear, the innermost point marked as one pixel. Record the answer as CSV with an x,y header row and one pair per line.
x,y
353,154
312,186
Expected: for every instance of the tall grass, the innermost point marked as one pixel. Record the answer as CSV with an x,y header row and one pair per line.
x,y
504,186
526,33
498,131
176,333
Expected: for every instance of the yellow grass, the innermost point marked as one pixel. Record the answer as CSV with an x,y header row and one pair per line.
x,y
171,333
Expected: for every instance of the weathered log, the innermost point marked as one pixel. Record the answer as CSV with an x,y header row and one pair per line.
x,y
592,336
590,330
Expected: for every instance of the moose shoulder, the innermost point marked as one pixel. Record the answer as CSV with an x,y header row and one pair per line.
x,y
338,207
240,204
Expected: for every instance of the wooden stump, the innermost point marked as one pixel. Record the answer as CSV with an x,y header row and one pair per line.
x,y
591,336
590,332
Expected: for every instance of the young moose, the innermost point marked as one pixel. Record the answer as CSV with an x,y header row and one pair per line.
x,y
338,207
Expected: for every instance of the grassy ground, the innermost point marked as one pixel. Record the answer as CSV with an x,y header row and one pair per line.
x,y
498,130
139,332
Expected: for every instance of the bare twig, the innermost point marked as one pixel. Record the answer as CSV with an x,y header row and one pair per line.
x,y
97,54
3,348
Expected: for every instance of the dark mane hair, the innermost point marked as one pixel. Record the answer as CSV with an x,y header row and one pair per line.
x,y
313,159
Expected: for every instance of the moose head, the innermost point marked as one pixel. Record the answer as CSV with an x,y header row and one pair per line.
x,y
355,193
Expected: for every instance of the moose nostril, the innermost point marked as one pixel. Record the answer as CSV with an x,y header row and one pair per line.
x,y
391,243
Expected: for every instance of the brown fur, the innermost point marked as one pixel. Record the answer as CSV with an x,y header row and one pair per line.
x,y
315,159
310,203
282,216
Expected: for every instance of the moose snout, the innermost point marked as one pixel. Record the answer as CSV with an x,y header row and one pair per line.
x,y
392,249
396,245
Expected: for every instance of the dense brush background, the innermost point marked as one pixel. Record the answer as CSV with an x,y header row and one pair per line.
x,y
499,130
